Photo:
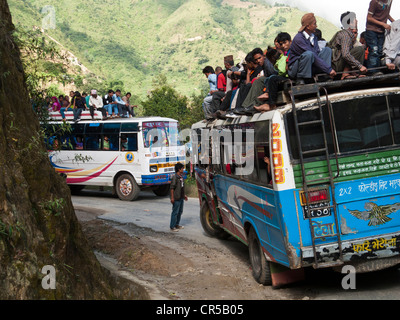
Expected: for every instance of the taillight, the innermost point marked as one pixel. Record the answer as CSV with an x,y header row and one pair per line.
x,y
314,196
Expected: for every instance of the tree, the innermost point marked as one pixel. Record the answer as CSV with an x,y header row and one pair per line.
x,y
38,226
165,101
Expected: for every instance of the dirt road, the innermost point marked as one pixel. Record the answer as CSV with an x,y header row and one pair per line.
x,y
171,267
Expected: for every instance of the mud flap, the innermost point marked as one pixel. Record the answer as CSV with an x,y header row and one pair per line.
x,y
282,275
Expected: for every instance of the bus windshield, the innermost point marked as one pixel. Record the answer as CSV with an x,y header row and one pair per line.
x,y
160,134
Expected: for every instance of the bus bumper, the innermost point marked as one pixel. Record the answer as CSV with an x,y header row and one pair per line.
x,y
357,251
156,179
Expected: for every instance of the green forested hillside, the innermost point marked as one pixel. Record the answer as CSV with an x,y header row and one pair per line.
x,y
136,40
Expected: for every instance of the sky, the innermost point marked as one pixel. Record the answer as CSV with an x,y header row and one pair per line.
x,y
332,9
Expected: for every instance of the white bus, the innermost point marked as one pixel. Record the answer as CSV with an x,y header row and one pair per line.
x,y
127,154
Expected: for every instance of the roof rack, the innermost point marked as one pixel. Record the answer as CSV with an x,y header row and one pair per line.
x,y
367,82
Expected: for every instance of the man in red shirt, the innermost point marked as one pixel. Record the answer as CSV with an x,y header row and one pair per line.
x,y
378,15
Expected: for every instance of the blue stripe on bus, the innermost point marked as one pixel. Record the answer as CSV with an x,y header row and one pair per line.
x,y
167,159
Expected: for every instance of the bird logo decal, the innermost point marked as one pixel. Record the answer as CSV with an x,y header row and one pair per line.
x,y
376,215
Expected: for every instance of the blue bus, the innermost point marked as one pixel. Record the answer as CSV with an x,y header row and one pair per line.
x,y
313,183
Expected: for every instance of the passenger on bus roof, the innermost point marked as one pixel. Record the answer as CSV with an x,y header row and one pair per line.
x,y
230,67
377,17
256,68
66,106
217,97
209,72
111,108
305,57
79,106
391,48
268,99
264,90
96,103
346,56
130,107
122,106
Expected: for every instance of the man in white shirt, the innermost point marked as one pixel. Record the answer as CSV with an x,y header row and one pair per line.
x,y
96,103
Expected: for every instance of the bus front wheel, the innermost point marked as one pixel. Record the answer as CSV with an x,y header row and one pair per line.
x,y
259,264
127,188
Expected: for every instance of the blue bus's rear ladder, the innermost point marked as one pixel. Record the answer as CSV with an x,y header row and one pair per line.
x,y
314,90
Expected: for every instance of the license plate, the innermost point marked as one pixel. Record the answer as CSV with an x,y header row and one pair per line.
x,y
317,210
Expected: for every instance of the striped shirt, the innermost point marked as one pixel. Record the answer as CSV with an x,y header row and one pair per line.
x,y
343,42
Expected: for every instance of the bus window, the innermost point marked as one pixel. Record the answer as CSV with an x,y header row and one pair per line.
x,y
110,142
77,142
155,137
129,142
262,156
111,128
92,142
77,131
264,165
130,127
93,127
361,124
92,136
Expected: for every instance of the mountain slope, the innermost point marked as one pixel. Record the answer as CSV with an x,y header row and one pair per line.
x,y
135,40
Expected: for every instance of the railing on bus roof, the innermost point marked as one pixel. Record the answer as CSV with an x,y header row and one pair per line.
x,y
367,82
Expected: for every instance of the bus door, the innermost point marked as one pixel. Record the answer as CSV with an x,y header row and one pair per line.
x,y
128,147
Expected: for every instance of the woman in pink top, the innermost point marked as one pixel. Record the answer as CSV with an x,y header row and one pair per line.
x,y
55,105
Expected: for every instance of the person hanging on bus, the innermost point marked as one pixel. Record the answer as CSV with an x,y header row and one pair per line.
x,y
345,55
305,57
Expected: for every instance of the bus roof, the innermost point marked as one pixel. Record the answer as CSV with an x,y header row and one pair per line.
x,y
337,90
134,119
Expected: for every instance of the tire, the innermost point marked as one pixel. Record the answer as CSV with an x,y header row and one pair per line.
x,y
259,264
75,188
127,188
208,224
162,191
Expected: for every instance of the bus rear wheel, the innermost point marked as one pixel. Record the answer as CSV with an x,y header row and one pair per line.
x,y
208,224
259,264
127,188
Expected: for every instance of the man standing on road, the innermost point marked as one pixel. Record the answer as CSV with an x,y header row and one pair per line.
x,y
177,197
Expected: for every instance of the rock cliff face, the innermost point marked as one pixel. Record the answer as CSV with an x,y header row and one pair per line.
x,y
38,226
